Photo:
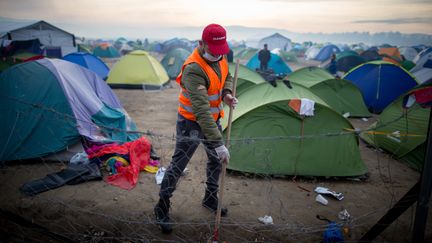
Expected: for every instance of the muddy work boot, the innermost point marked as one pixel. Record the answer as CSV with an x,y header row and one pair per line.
x,y
210,202
161,211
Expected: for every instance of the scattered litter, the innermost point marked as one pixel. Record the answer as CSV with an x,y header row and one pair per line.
x,y
322,190
160,175
154,162
365,119
80,158
346,230
344,215
333,233
185,171
266,219
319,198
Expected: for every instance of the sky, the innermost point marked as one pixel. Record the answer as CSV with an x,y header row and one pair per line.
x,y
127,17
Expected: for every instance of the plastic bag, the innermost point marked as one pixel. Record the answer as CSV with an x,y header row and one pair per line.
x,y
160,175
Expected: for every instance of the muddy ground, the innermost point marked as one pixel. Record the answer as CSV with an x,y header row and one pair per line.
x,y
98,212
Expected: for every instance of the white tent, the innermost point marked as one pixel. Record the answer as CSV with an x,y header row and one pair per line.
x,y
423,68
48,35
421,62
423,75
312,52
276,41
422,54
408,52
276,51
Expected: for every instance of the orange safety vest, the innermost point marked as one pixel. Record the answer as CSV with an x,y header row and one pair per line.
x,y
214,90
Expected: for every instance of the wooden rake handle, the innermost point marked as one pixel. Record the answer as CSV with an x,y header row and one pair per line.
x,y
224,163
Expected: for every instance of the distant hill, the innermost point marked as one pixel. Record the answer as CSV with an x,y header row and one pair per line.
x,y
249,34
253,34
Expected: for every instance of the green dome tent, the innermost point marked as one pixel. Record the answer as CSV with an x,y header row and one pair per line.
x,y
138,69
402,131
309,75
289,56
266,135
407,64
246,54
84,48
340,94
347,60
238,49
173,61
106,50
245,77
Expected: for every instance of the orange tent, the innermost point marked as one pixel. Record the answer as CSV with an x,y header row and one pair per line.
x,y
390,54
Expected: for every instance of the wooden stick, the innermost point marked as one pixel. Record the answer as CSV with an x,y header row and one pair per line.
x,y
224,163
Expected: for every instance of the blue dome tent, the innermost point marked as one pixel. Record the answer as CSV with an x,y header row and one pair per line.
x,y
89,61
276,63
326,52
381,83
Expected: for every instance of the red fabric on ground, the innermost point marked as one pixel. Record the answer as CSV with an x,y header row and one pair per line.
x,y
139,155
110,149
92,150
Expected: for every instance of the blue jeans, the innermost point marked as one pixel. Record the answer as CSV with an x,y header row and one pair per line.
x,y
189,136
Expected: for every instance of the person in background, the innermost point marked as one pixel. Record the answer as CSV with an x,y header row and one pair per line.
x,y
205,82
332,66
264,58
230,56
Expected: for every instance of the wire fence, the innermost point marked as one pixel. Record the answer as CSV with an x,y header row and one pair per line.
x,y
96,211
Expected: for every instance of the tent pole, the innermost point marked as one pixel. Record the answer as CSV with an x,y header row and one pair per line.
x,y
425,190
224,163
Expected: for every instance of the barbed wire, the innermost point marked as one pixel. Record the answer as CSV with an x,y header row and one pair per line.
x,y
133,220
296,231
348,131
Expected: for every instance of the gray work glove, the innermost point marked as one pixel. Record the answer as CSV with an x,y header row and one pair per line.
x,y
222,153
231,100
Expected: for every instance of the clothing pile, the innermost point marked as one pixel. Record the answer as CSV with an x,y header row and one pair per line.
x,y
124,161
130,158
